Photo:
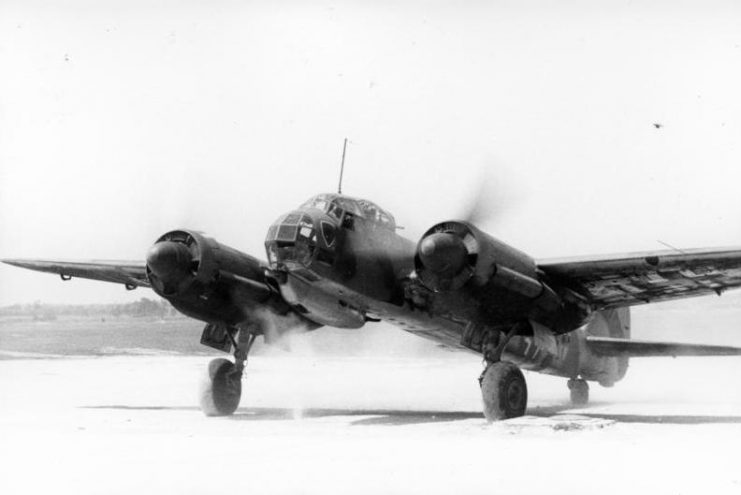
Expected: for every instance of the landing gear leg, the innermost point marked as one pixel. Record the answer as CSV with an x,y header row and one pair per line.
x,y
221,389
503,387
579,389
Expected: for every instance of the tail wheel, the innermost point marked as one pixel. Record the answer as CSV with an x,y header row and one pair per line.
x,y
579,390
504,391
221,388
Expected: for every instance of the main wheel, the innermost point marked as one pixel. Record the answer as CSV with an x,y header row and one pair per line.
x,y
504,391
221,388
579,390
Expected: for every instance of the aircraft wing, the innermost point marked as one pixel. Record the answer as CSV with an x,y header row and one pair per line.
x,y
130,273
639,278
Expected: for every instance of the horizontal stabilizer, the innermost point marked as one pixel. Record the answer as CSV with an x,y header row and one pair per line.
x,y
608,346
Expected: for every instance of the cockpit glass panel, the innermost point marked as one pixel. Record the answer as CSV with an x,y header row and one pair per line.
x,y
292,219
272,231
292,239
287,233
329,234
306,229
272,250
335,205
334,210
317,203
346,204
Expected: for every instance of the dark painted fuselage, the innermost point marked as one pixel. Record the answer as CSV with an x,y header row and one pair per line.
x,y
339,262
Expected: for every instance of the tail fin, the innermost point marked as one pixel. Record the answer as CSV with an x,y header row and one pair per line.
x,y
618,347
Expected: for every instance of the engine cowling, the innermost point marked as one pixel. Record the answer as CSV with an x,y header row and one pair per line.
x,y
208,280
457,257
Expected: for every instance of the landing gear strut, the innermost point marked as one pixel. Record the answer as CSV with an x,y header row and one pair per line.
x,y
579,389
222,386
503,387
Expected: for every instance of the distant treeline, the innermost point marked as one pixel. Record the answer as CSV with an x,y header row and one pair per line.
x,y
144,307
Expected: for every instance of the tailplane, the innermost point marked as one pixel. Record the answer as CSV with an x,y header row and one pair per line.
x,y
619,347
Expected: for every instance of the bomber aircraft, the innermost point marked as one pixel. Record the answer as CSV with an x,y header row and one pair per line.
x,y
339,261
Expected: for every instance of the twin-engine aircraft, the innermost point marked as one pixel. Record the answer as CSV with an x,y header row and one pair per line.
x,y
338,261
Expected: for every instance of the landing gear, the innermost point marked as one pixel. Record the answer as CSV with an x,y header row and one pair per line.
x,y
579,389
503,386
222,386
221,389
504,391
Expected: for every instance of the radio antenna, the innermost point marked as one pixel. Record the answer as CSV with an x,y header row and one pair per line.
x,y
672,247
342,167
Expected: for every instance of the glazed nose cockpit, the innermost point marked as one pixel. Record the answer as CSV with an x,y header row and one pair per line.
x,y
313,231
291,240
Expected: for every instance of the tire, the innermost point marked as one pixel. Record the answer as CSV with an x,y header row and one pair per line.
x,y
221,389
504,391
579,391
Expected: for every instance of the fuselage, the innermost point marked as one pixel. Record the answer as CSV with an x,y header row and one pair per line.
x,y
340,262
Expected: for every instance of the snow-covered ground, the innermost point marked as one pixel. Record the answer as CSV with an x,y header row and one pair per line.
x,y
362,425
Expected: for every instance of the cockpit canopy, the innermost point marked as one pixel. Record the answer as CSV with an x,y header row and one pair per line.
x,y
336,204
291,238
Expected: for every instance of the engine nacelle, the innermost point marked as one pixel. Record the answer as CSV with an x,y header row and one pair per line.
x,y
457,257
209,281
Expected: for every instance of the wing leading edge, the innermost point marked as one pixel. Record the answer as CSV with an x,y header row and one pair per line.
x,y
639,278
130,273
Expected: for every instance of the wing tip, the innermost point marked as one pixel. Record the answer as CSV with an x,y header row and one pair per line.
x,y
13,261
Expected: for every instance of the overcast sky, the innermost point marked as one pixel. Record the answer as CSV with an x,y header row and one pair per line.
x,y
121,120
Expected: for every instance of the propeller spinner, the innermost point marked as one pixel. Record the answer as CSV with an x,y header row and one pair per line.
x,y
443,253
171,262
169,259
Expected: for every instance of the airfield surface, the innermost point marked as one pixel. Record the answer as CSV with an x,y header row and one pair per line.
x,y
311,424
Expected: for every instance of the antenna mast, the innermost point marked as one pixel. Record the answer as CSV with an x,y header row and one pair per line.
x,y
670,246
342,167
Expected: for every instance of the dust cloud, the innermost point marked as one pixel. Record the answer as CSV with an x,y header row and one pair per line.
x,y
301,353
